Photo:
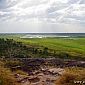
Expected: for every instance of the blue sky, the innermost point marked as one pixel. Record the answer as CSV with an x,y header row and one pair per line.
x,y
42,15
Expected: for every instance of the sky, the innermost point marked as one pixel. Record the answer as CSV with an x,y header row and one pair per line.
x,y
42,16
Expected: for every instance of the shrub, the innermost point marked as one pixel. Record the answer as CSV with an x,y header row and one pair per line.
x,y
6,77
71,75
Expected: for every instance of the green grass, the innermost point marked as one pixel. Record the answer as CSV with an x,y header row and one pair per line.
x,y
75,46
60,44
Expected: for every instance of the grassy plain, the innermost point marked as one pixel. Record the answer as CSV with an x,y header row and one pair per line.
x,y
72,46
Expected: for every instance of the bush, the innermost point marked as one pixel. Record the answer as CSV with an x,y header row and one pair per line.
x,y
66,79
71,75
6,77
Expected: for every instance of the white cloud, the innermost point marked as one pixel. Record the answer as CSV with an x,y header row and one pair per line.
x,y
49,11
39,8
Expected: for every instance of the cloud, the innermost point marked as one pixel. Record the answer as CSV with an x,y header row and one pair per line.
x,y
39,11
50,9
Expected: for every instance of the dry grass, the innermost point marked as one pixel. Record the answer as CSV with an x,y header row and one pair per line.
x,y
21,73
71,75
6,76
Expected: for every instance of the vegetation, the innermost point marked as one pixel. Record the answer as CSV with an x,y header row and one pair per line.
x,y
72,76
6,76
73,47
15,49
66,48
12,46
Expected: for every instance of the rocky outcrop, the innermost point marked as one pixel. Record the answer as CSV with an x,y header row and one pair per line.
x,y
45,76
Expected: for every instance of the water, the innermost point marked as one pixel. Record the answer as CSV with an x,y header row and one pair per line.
x,y
45,35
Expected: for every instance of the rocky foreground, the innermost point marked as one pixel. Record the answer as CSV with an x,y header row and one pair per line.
x,y
45,76
43,71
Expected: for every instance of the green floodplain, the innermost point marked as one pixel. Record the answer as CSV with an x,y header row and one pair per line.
x,y
65,47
